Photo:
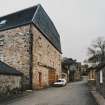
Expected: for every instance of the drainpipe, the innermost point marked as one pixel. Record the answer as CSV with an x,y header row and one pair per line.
x,y
31,56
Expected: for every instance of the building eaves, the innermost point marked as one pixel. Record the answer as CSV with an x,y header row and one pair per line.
x,y
5,69
100,66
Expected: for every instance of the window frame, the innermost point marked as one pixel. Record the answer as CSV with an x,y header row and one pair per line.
x,y
101,76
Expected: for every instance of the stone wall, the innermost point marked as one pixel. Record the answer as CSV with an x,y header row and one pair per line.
x,y
92,75
9,83
14,49
100,86
77,75
45,59
92,79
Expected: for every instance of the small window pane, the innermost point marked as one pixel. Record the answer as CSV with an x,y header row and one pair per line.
x,y
101,76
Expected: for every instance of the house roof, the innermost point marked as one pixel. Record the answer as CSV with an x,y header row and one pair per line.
x,y
91,68
100,66
7,70
38,17
68,61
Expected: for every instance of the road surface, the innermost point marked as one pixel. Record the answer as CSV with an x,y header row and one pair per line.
x,y
76,93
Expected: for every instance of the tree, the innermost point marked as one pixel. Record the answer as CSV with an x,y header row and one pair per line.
x,y
97,51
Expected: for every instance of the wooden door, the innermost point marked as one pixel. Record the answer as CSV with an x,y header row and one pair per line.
x,y
52,77
40,79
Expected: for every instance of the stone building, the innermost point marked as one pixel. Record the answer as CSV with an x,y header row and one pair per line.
x,y
84,69
66,62
100,79
91,73
92,77
10,79
77,74
75,71
72,69
30,43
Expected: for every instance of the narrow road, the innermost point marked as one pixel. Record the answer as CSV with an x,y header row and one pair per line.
x,y
73,94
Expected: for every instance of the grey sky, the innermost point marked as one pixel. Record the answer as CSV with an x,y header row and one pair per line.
x,y
77,21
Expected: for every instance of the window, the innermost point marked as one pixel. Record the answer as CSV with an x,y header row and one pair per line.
x,y
1,57
1,42
92,74
3,22
101,76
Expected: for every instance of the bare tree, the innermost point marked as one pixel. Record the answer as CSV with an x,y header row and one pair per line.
x,y
97,51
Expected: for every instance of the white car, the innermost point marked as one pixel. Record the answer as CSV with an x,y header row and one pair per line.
x,y
60,82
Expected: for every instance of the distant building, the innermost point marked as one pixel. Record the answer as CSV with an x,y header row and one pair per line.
x,y
66,63
30,43
72,69
77,74
75,71
92,76
84,69
91,73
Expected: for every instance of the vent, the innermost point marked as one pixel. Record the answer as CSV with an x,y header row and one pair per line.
x,y
3,22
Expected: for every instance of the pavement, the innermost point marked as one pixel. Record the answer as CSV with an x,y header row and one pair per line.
x,y
99,98
76,93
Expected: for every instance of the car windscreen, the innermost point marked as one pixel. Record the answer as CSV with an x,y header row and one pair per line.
x,y
59,81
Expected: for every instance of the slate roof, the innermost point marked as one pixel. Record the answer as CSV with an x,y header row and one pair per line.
x,y
7,70
100,66
97,68
91,68
68,61
38,17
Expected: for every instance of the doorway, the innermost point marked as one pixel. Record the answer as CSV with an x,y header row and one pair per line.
x,y
40,79
51,76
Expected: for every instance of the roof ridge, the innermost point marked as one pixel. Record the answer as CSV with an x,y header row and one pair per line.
x,y
38,6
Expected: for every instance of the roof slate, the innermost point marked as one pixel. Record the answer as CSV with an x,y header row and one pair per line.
x,y
92,68
69,61
100,66
38,17
7,70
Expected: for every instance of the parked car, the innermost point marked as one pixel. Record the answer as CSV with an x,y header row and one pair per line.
x,y
60,82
